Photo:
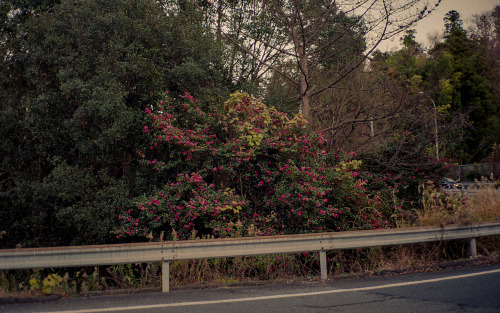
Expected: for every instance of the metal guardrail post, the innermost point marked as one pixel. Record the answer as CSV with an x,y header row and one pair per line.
x,y
322,263
165,276
473,251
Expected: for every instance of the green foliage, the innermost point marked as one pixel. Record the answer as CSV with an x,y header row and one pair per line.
x,y
48,285
463,71
75,79
409,41
453,24
460,75
87,69
84,202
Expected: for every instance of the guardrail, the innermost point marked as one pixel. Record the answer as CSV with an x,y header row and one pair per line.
x,y
471,189
167,251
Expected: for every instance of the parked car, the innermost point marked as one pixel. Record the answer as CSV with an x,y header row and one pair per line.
x,y
448,183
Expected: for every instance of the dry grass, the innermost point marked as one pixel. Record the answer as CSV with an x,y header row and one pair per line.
x,y
440,208
485,206
238,269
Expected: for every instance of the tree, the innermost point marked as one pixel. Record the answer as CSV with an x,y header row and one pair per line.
x,y
248,37
495,47
458,74
75,85
322,31
469,86
453,24
196,60
409,42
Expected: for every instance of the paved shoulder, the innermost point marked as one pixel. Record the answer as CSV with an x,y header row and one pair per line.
x,y
471,289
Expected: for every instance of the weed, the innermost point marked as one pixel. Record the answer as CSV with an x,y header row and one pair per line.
x,y
49,285
440,208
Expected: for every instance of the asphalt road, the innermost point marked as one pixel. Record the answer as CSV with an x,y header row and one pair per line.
x,y
469,289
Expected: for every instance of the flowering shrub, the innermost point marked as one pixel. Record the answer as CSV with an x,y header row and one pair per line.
x,y
244,169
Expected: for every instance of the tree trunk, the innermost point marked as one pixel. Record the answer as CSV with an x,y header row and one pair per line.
x,y
304,75
304,97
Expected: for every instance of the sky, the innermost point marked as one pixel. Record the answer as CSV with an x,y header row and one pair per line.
x,y
433,24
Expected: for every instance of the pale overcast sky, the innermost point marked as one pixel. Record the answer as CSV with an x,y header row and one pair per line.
x,y
433,24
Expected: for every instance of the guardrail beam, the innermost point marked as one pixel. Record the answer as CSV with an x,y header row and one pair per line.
x,y
235,247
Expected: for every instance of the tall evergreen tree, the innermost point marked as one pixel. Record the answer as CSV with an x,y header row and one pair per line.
x,y
76,80
458,75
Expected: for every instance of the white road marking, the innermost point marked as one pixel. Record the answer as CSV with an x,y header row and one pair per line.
x,y
305,294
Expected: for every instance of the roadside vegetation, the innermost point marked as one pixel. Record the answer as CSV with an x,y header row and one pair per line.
x,y
135,121
439,209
